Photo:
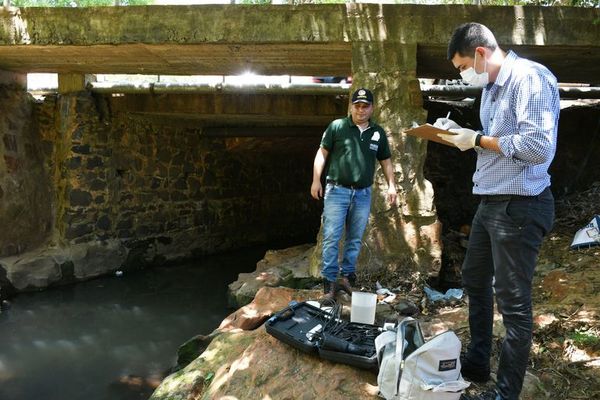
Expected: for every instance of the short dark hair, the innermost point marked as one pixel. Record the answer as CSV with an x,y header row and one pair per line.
x,y
467,37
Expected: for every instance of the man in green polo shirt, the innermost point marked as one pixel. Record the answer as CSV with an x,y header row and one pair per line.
x,y
351,145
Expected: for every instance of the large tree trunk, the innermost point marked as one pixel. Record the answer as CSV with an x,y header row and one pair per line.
x,y
405,236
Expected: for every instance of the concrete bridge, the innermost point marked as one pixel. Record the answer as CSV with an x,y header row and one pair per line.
x,y
92,182
302,40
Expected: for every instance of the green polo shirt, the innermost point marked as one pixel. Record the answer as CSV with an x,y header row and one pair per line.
x,y
352,154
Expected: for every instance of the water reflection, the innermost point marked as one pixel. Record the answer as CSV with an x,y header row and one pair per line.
x,y
111,338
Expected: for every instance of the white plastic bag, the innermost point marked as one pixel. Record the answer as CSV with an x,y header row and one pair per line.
x,y
587,236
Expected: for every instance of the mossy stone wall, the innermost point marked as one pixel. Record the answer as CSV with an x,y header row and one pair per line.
x,y
26,214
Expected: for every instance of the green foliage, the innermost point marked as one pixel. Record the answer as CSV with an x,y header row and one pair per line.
x,y
92,3
573,3
77,3
585,340
295,2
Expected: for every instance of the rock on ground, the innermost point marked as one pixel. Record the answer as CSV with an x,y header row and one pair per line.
x,y
287,267
244,362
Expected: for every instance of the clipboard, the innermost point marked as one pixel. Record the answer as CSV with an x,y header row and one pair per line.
x,y
430,132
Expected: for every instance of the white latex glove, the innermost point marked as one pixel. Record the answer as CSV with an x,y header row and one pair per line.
x,y
464,138
446,123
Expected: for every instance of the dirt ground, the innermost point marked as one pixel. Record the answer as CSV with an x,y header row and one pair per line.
x,y
566,350
565,357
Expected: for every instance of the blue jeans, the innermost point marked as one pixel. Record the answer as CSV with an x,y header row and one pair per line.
x,y
503,246
349,209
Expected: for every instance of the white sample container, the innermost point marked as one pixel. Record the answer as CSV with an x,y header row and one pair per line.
x,y
363,307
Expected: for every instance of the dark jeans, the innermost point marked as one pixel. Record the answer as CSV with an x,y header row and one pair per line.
x,y
503,246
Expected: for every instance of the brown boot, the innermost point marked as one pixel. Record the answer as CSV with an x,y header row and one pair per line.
x,y
329,289
347,283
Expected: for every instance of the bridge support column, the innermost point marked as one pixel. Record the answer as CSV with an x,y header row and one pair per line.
x,y
82,153
406,236
69,83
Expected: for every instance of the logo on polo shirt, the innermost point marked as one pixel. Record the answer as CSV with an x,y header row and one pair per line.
x,y
374,145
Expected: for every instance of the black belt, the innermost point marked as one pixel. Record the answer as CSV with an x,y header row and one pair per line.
x,y
353,187
508,197
503,197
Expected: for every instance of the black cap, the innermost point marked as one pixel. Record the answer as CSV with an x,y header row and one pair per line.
x,y
362,95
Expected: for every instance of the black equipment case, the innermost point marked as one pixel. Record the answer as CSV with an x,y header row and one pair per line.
x,y
312,330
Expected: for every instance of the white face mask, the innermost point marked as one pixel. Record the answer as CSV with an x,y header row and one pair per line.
x,y
470,76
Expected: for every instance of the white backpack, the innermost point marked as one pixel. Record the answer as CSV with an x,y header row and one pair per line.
x,y
412,369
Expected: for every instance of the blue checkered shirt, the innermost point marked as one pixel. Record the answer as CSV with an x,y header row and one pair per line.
x,y
521,109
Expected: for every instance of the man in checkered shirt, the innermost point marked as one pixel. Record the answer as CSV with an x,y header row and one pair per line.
x,y
519,114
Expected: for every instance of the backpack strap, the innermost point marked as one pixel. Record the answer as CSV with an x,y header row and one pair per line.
x,y
381,341
399,358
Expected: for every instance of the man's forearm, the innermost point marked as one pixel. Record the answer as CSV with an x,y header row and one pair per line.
x,y
319,164
317,170
388,172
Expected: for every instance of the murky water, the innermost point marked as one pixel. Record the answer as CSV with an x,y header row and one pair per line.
x,y
114,337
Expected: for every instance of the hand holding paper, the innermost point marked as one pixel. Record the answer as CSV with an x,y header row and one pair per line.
x,y
446,123
463,138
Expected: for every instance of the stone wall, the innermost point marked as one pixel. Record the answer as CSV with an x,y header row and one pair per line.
x,y
91,186
25,192
173,191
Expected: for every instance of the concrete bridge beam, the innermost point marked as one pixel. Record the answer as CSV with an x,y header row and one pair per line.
x,y
301,40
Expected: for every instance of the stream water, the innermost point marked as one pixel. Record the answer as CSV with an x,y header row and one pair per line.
x,y
112,338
